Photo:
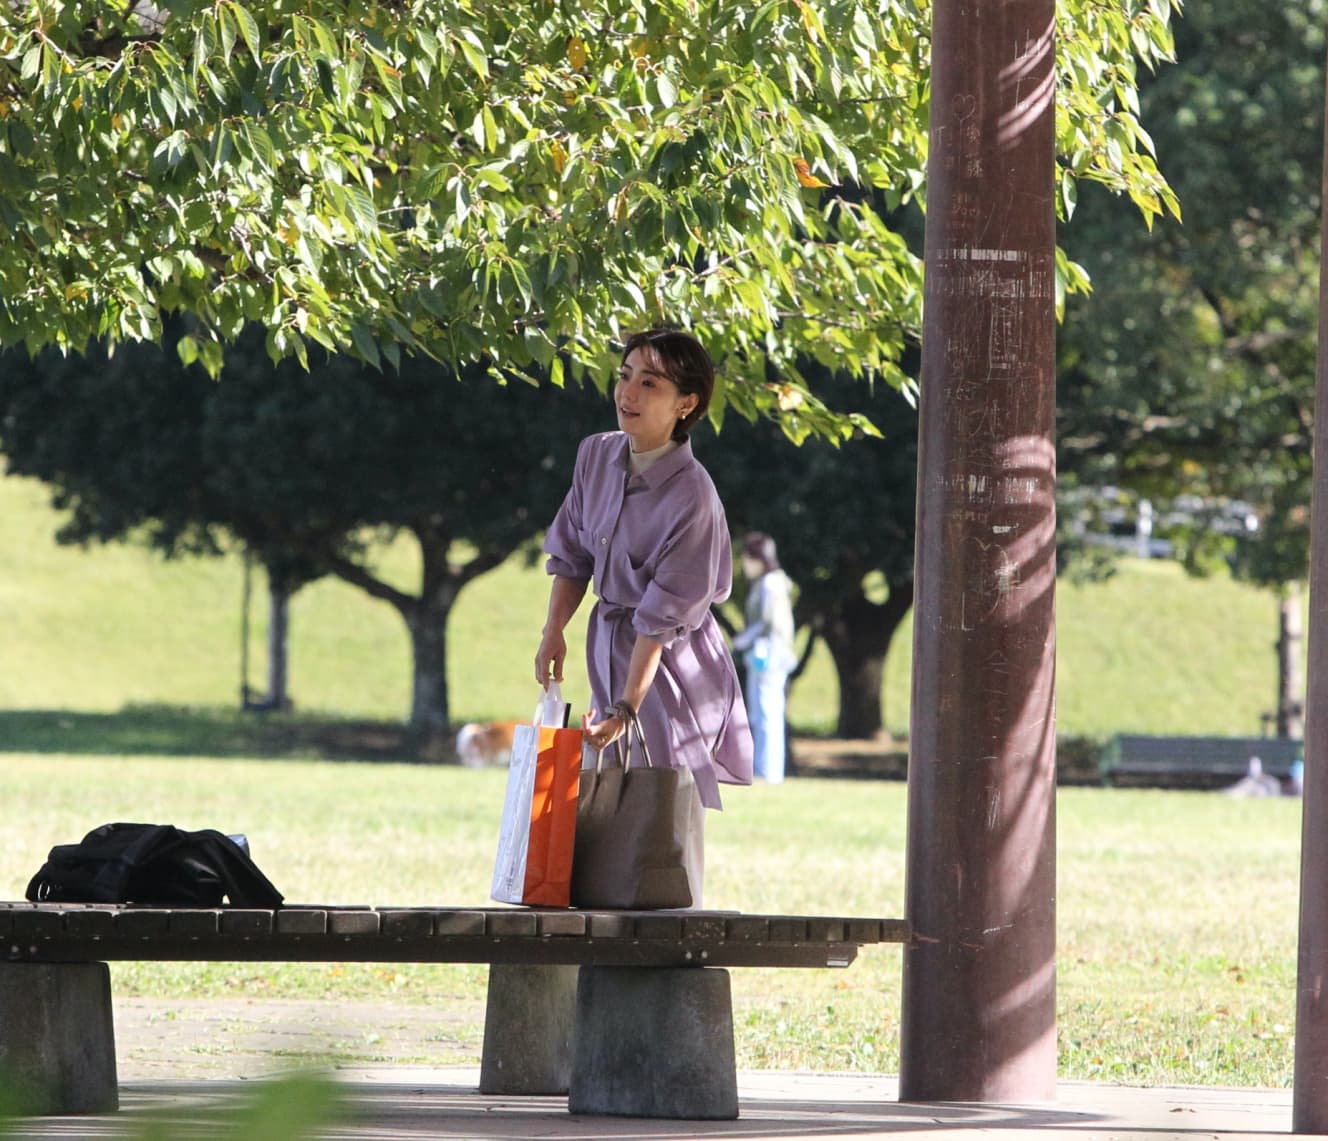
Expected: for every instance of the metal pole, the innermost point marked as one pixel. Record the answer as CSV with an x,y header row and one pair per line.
x,y
245,596
1309,1105
979,1017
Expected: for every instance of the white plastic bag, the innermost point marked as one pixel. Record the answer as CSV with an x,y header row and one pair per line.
x,y
551,709
539,804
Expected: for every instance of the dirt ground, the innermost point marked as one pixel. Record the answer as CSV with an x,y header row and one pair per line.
x,y
252,1038
828,756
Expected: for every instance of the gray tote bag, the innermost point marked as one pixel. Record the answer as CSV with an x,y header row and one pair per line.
x,y
631,833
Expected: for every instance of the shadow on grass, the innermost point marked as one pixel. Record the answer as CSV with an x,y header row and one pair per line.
x,y
213,731
178,731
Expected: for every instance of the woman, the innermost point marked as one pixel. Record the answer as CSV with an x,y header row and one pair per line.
x,y
643,522
767,645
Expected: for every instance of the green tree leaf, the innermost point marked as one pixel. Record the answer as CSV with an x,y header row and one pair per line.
x,y
331,157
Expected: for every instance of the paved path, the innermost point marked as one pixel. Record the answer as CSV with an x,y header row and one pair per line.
x,y
184,1065
405,1102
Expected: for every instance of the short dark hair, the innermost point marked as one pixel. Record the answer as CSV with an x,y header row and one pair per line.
x,y
684,361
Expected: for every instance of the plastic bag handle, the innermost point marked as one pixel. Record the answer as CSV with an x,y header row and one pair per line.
x,y
550,699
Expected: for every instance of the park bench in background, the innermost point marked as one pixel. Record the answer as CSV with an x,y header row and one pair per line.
x,y
647,992
1193,762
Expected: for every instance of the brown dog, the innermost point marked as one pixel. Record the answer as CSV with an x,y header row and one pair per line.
x,y
482,744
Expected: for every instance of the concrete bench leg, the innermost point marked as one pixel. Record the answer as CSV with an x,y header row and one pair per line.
x,y
57,1037
654,1042
528,1029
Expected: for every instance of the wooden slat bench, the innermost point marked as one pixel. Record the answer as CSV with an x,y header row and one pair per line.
x,y
1193,762
653,1034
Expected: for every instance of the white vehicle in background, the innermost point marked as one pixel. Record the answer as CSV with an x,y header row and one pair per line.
x,y
1112,517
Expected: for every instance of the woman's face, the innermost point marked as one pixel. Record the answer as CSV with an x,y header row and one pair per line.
x,y
649,404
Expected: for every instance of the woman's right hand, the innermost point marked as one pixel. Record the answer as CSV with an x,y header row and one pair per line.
x,y
600,734
550,657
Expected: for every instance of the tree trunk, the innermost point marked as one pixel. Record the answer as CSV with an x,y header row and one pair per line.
x,y
281,588
246,694
278,644
1290,674
859,669
426,616
858,636
426,619
430,712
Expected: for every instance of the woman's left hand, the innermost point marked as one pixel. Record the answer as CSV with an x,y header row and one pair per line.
x,y
601,734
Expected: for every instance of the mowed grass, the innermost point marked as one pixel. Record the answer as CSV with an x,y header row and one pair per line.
x,y
96,631
1176,911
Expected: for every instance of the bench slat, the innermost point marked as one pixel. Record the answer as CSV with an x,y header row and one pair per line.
x,y
706,928
822,930
747,929
352,924
35,924
135,924
521,924
194,923
563,924
787,929
650,925
85,933
90,923
248,923
611,925
407,924
456,923
301,921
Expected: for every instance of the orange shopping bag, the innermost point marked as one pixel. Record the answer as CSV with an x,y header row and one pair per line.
x,y
535,841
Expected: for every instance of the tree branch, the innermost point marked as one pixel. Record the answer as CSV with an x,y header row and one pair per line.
x,y
375,587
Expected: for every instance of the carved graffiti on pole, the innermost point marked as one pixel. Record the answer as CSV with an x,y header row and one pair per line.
x,y
995,576
958,139
993,275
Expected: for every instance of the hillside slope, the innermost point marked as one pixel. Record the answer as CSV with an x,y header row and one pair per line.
x,y
1149,651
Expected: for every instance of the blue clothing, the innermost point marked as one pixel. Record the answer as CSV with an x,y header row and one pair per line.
x,y
765,707
767,645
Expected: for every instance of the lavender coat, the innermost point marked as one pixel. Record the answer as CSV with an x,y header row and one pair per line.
x,y
657,547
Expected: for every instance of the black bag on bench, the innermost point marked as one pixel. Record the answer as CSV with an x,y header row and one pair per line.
x,y
152,863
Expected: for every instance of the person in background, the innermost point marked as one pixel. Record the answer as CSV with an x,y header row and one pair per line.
x,y
644,523
766,643
1255,782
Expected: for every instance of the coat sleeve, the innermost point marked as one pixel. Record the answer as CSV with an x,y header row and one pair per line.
x,y
693,569
567,555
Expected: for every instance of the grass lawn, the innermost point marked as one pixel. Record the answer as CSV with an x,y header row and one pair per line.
x,y
1177,911
114,627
